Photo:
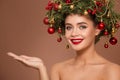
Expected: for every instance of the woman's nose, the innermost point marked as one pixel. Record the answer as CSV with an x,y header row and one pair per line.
x,y
75,32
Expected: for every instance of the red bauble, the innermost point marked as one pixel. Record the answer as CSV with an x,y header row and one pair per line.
x,y
113,40
106,32
46,20
56,5
68,1
60,30
49,6
51,30
106,45
50,3
59,39
117,25
101,26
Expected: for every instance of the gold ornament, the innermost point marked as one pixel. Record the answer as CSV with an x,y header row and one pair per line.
x,y
108,14
85,12
71,6
52,21
113,30
60,6
94,2
67,46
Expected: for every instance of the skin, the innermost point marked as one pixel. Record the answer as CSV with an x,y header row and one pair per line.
x,y
86,65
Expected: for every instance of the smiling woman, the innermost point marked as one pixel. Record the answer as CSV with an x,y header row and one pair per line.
x,y
82,22
80,30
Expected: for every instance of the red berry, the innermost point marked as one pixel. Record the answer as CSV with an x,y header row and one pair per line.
x,y
50,3
68,1
46,20
101,26
113,40
49,6
94,11
56,5
98,3
51,30
89,11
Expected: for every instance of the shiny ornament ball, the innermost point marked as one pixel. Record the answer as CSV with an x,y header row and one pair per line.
x,y
46,20
106,32
113,40
51,30
106,45
60,30
101,26
59,39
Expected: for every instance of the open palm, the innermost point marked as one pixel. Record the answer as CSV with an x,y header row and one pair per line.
x,y
27,60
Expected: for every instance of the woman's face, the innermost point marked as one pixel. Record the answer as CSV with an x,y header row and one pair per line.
x,y
80,32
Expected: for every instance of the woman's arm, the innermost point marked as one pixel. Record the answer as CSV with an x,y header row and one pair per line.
x,y
32,62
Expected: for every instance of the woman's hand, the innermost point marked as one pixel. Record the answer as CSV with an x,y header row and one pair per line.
x,y
27,60
34,62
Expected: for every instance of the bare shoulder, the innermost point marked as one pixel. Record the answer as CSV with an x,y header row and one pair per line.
x,y
58,66
112,67
113,71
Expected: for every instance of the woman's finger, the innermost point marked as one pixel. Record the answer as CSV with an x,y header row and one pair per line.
x,y
25,57
13,55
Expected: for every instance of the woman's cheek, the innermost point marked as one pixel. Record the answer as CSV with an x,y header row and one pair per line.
x,y
67,34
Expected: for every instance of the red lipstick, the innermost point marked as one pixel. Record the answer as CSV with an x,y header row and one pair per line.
x,y
76,41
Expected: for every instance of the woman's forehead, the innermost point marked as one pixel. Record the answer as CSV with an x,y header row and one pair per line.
x,y
76,18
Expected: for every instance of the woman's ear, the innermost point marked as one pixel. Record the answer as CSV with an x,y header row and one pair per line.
x,y
97,31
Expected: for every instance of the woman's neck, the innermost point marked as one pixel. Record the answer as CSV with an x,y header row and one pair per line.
x,y
86,56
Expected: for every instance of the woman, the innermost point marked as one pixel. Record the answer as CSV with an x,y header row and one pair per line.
x,y
80,31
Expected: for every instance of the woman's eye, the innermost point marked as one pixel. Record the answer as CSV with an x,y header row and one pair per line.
x,y
68,27
82,27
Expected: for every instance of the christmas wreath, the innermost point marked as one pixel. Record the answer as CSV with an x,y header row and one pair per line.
x,y
106,17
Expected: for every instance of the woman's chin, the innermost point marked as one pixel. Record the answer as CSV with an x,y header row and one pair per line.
x,y
76,48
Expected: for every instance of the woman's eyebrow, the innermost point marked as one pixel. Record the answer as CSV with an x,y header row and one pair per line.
x,y
82,23
77,23
68,24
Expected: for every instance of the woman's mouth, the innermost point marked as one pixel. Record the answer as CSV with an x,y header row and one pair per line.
x,y
76,41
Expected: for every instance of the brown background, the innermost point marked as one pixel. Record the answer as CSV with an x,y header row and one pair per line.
x,y
22,31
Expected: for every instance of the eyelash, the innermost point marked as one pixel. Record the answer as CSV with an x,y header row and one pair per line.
x,y
80,27
83,27
68,27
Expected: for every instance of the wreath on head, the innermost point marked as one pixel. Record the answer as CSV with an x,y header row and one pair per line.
x,y
106,17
